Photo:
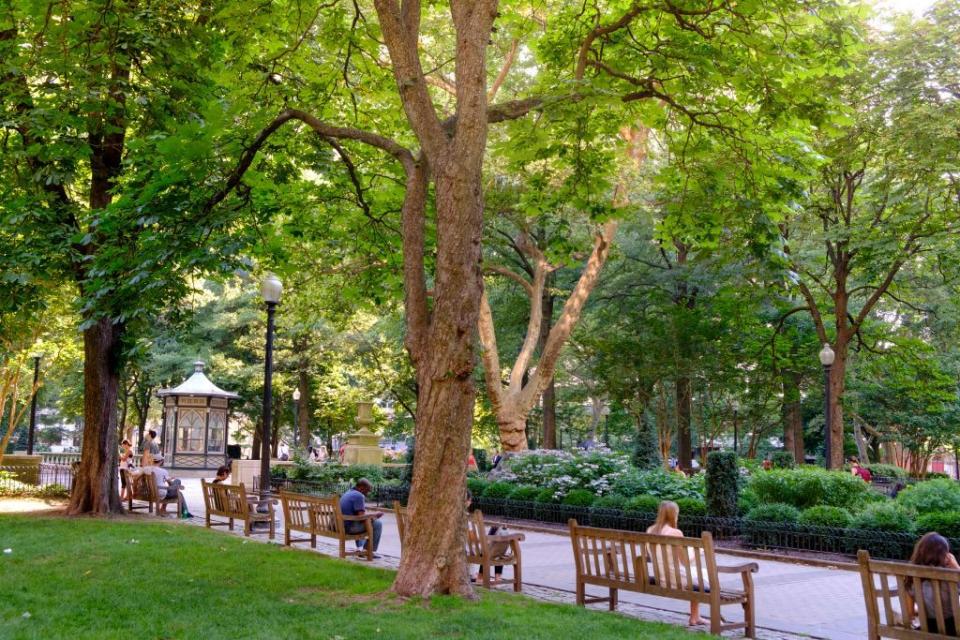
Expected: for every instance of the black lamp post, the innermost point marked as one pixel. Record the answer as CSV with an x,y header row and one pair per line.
x,y
33,406
296,416
826,359
736,442
271,290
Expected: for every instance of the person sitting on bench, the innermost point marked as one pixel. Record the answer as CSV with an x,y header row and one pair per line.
x,y
353,503
168,487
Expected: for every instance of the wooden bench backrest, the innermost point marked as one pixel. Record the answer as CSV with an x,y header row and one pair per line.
x,y
476,540
225,499
642,560
319,514
884,585
607,554
403,521
679,564
144,486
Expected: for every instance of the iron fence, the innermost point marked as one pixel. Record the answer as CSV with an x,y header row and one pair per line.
x,y
382,495
45,478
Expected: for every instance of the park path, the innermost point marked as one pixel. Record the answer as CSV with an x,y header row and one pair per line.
x,y
793,600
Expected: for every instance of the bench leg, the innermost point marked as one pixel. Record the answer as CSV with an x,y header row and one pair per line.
x,y
246,528
313,541
581,593
614,593
208,520
749,618
286,537
273,528
343,548
715,620
231,524
517,579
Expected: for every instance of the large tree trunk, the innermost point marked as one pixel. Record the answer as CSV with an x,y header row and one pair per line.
x,y
792,418
257,440
434,560
684,445
549,397
303,410
837,383
96,490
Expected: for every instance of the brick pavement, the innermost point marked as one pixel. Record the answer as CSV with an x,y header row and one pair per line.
x,y
793,600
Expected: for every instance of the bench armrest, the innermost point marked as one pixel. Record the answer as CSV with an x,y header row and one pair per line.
x,y
366,516
749,567
506,537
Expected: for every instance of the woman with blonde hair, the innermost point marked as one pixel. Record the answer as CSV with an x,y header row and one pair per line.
x,y
666,525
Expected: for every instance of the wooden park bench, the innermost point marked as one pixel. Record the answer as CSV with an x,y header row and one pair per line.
x,y
490,551
317,516
911,617
231,501
403,521
143,488
666,566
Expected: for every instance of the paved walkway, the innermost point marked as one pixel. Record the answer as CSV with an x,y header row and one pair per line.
x,y
792,600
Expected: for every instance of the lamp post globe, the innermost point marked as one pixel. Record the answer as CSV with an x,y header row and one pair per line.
x,y
270,289
827,357
296,415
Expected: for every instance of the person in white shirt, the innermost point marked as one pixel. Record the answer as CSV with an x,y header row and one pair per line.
x,y
168,487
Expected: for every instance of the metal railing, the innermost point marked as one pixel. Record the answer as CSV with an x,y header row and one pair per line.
x,y
382,495
29,480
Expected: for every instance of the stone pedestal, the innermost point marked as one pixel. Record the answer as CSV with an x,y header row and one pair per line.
x,y
363,447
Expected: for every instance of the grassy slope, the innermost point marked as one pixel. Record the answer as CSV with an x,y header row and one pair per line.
x,y
82,578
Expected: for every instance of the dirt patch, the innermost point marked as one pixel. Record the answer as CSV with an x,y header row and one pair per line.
x,y
51,506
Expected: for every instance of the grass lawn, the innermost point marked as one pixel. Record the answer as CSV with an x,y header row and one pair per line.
x,y
86,578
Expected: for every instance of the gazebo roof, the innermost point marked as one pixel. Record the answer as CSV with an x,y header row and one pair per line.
x,y
197,385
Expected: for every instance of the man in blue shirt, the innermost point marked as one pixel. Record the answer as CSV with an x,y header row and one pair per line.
x,y
353,503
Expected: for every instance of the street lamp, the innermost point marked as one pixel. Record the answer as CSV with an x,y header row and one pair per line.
x,y
33,406
826,359
736,410
271,290
296,415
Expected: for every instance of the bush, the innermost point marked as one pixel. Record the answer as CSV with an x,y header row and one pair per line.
x,y
886,471
885,530
579,498
546,496
723,476
646,454
806,487
931,496
946,524
524,493
643,504
53,491
691,507
763,525
611,501
826,516
498,490
477,486
563,471
783,460
747,501
936,475
657,482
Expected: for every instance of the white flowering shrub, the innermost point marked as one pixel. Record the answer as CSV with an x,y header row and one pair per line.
x,y
563,471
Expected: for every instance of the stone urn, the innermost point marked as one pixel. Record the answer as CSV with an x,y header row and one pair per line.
x,y
363,446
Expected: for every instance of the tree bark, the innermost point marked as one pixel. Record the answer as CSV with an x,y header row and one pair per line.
x,y
96,489
257,440
684,444
792,418
303,409
549,398
837,382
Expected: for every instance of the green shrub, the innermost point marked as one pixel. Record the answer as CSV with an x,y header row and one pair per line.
x,y
884,529
646,454
936,475
610,501
783,460
946,524
747,501
826,516
931,496
723,477
477,486
483,462
806,487
579,498
524,493
877,469
643,504
691,507
546,496
498,490
883,517
762,524
657,482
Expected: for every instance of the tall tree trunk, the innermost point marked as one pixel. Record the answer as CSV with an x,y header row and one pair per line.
x,y
684,443
303,409
792,417
257,440
837,382
549,398
96,489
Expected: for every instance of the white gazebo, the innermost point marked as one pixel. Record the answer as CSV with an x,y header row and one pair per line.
x,y
195,417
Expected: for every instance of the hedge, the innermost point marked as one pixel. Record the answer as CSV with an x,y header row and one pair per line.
x,y
723,477
932,496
